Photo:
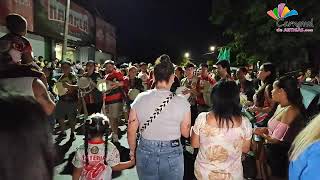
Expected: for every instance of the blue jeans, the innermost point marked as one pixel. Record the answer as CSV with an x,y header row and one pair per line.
x,y
157,160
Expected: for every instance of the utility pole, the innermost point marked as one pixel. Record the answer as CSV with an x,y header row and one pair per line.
x,y
65,34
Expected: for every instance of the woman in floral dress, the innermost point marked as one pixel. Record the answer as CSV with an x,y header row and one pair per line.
x,y
221,136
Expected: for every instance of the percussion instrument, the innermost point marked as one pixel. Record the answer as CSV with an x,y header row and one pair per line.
x,y
85,85
104,85
133,93
59,90
180,90
243,99
206,92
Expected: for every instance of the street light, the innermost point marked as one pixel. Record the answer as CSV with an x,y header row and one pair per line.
x,y
212,48
186,55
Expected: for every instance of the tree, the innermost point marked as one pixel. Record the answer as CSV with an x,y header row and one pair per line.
x,y
251,34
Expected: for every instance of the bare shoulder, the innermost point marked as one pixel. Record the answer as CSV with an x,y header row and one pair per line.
x,y
290,115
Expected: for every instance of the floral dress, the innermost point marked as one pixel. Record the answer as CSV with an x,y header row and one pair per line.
x,y
219,156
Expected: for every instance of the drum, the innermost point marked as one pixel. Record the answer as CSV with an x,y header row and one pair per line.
x,y
133,93
104,85
59,90
85,85
243,99
206,92
181,89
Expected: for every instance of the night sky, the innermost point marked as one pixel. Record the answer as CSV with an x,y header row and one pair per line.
x,y
148,28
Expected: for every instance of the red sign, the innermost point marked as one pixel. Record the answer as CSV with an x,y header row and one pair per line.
x,y
22,7
50,16
105,36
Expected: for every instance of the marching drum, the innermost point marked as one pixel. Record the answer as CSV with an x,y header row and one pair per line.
x,y
181,89
104,85
133,93
59,90
85,85
206,91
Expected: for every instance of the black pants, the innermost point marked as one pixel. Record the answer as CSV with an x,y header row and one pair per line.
x,y
94,108
277,159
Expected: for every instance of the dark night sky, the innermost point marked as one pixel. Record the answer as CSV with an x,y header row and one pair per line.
x,y
148,28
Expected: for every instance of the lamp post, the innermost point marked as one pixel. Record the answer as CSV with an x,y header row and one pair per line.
x,y
212,48
187,55
65,34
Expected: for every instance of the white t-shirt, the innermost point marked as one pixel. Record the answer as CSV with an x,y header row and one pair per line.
x,y
166,126
96,170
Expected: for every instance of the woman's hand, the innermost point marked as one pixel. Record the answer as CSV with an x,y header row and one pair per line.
x,y
260,131
253,109
132,161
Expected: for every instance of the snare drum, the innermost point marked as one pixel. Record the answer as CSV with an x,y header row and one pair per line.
x,y
104,85
85,85
59,90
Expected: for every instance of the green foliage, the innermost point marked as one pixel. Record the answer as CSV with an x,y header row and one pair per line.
x,y
252,31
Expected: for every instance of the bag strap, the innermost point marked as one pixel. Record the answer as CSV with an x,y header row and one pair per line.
x,y
157,112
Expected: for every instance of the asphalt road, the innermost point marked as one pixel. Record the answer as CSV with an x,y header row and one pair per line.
x,y
66,150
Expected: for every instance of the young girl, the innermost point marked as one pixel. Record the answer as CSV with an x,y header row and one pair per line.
x,y
91,160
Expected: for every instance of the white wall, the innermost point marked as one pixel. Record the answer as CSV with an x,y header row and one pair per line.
x,y
100,57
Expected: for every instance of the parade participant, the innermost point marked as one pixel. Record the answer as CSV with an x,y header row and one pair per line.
x,y
94,98
97,158
224,71
283,127
67,103
20,48
190,82
114,98
221,136
26,148
17,26
304,154
246,86
22,79
159,152
179,72
263,103
133,82
48,72
144,75
204,86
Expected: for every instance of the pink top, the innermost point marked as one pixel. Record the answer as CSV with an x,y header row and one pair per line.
x,y
277,129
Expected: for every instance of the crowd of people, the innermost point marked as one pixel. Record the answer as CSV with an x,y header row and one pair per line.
x,y
223,115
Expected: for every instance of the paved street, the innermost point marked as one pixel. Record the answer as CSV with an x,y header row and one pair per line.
x,y
66,150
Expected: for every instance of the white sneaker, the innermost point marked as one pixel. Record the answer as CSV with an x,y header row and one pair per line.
x,y
115,138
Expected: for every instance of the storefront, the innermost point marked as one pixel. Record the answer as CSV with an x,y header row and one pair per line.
x,y
89,38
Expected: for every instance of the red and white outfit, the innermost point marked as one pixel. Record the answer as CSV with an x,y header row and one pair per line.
x,y
96,169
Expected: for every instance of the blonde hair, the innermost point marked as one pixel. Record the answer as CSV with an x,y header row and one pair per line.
x,y
305,138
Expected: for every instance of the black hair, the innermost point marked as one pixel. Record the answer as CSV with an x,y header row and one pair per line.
x,y
179,68
16,23
290,86
163,69
26,142
268,83
204,65
189,65
243,69
225,99
96,125
225,65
